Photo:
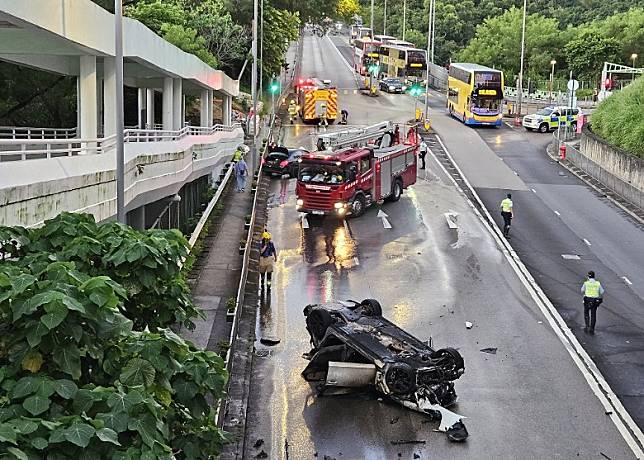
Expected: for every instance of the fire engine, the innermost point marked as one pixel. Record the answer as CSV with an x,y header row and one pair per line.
x,y
315,97
354,170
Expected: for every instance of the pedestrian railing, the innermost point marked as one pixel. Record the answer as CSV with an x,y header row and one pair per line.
x,y
25,148
24,132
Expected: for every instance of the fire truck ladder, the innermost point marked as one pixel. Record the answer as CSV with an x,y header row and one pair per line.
x,y
356,137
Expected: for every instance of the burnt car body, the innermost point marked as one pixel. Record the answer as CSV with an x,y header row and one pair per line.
x,y
281,161
353,345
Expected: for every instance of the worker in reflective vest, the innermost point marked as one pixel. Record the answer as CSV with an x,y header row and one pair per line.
x,y
292,110
238,155
593,292
323,116
507,214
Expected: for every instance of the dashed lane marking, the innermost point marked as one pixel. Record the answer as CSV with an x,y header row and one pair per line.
x,y
587,242
570,256
533,190
557,212
356,261
627,281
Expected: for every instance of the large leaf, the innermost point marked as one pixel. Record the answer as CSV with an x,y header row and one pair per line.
x,y
138,371
8,433
25,386
66,388
116,421
39,443
17,453
54,317
36,333
36,301
108,435
20,283
80,434
83,400
23,426
68,359
124,401
146,428
36,404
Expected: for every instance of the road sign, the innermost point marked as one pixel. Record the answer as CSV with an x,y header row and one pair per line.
x,y
573,85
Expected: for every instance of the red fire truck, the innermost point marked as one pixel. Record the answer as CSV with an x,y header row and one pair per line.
x,y
347,180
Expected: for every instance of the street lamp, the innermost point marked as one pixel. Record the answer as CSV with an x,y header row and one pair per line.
x,y
430,24
520,83
633,58
384,24
552,78
404,18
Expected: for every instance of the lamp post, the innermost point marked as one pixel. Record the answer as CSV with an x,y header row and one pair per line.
x,y
384,24
120,156
552,79
253,152
404,18
520,84
430,23
633,58
261,46
371,23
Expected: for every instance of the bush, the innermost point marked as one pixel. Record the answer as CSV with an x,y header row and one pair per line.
x,y
619,119
76,381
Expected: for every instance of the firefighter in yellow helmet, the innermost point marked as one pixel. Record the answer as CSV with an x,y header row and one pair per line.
x,y
323,116
292,110
267,255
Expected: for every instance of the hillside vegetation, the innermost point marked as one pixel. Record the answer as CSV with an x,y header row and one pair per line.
x,y
619,119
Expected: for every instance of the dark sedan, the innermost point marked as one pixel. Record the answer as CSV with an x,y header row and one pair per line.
x,y
282,161
392,85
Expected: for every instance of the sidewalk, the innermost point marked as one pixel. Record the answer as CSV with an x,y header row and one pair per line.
x,y
218,270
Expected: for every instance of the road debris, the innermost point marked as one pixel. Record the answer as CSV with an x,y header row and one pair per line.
x,y
605,456
394,420
355,347
270,341
490,350
468,325
258,443
262,454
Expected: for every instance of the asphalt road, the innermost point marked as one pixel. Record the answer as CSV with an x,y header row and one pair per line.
x,y
529,399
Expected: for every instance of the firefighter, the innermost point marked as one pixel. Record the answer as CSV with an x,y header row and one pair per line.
x,y
292,110
345,116
323,116
267,256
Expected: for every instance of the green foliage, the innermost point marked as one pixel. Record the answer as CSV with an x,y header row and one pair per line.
x,y
76,380
587,52
346,9
284,28
620,118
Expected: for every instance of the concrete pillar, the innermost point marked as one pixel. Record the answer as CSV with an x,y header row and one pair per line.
x,y
87,86
109,96
177,104
226,109
168,101
203,115
141,107
136,218
149,108
210,108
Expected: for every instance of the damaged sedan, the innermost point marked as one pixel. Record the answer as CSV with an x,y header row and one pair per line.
x,y
354,346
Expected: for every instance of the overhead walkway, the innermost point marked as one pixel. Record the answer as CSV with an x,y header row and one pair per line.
x,y
45,171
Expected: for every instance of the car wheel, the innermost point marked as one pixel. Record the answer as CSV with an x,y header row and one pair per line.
x,y
450,362
358,206
400,379
371,307
543,128
317,322
397,191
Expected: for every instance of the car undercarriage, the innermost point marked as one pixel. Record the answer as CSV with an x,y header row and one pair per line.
x,y
354,346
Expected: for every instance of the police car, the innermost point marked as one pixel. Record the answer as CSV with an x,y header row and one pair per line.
x,y
551,118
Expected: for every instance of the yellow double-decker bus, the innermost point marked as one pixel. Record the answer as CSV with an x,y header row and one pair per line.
x,y
475,94
409,64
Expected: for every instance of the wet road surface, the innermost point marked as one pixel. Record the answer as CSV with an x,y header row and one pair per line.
x,y
527,400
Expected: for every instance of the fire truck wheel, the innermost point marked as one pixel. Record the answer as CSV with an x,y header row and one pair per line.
x,y
396,192
371,307
358,206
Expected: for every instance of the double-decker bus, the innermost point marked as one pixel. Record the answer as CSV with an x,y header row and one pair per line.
x,y
401,43
475,94
408,64
365,53
358,32
383,38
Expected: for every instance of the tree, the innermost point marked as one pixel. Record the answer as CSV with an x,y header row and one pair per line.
x,y
284,28
346,9
587,52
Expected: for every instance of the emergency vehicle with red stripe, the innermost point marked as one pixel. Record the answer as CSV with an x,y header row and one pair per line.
x,y
317,98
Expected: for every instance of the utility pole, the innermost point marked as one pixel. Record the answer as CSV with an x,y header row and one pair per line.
x,y
384,25
371,23
404,18
429,39
120,154
433,27
520,84
253,152
261,47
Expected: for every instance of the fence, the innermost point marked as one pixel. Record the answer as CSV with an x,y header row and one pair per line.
x,y
20,132
29,148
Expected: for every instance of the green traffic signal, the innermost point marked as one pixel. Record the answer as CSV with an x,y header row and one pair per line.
x,y
415,90
274,87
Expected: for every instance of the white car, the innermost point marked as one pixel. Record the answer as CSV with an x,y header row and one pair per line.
x,y
551,118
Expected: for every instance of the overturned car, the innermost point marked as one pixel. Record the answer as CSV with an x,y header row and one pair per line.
x,y
354,346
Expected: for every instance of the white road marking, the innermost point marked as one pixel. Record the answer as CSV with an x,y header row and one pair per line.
x,y
383,216
351,69
515,173
587,242
508,125
613,407
533,190
627,281
305,222
346,225
557,212
570,256
356,261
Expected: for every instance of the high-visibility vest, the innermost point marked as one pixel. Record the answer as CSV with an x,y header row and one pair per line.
x,y
292,109
506,205
591,288
237,156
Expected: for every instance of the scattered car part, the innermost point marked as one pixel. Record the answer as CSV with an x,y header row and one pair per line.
x,y
354,346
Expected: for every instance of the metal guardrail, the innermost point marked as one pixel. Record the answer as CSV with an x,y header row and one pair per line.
x,y
27,132
20,149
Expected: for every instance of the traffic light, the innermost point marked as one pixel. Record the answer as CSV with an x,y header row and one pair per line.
x,y
415,90
374,69
274,87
